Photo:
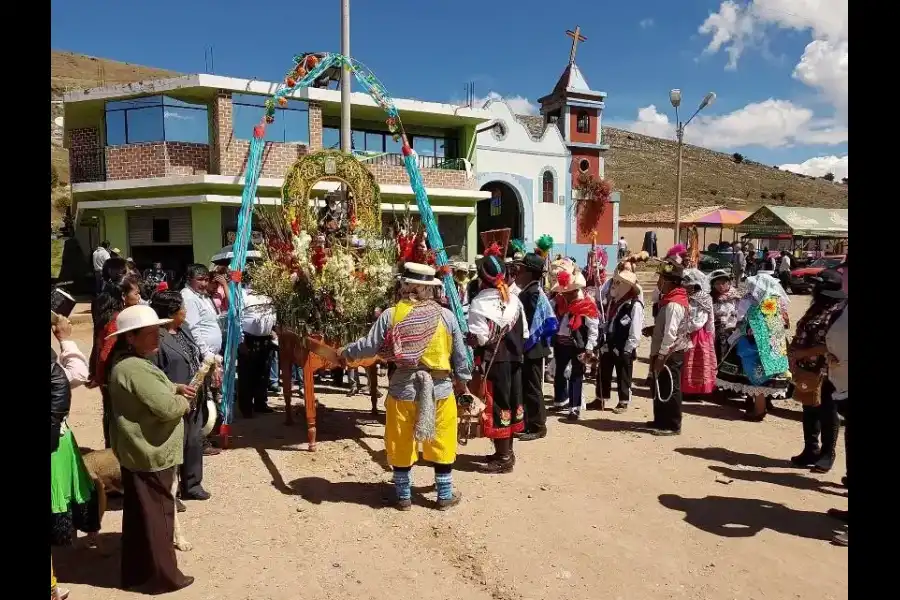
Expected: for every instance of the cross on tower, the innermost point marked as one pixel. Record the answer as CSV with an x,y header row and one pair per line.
x,y
576,37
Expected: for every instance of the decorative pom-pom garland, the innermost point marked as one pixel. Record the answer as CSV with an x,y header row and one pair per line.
x,y
494,250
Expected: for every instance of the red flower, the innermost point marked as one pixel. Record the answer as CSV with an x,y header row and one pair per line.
x,y
494,250
295,227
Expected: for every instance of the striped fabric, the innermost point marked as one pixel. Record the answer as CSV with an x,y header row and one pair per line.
x,y
407,340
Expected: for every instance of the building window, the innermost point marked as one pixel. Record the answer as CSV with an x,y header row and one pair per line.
x,y
584,165
583,124
547,182
291,124
156,119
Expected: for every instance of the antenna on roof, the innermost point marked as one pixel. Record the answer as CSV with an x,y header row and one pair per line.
x,y
209,60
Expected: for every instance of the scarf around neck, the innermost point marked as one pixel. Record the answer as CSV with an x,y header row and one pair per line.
x,y
678,296
578,310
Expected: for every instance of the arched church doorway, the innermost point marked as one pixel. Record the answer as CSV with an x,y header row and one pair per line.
x,y
503,209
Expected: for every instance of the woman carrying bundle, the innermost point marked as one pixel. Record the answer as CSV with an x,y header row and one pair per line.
x,y
699,374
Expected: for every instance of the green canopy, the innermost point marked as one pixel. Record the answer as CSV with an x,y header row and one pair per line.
x,y
797,221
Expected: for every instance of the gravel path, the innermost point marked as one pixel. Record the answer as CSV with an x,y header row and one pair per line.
x,y
595,510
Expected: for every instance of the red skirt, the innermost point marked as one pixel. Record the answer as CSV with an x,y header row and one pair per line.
x,y
698,376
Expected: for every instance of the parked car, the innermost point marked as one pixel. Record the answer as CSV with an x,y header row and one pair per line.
x,y
801,279
711,261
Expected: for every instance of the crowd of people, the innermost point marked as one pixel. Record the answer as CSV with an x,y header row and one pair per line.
x,y
710,335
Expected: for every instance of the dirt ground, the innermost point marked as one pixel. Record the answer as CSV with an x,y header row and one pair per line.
x,y
595,510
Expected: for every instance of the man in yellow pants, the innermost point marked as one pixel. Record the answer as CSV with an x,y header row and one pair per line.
x,y
425,342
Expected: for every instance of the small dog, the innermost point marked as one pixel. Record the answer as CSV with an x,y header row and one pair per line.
x,y
106,473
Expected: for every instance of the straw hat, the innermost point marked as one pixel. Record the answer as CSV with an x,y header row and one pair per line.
x,y
419,274
567,282
137,317
627,277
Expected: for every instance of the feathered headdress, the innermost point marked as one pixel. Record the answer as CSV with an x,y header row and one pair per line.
x,y
543,246
518,246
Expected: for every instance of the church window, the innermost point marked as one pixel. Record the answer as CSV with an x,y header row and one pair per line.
x,y
583,125
584,165
547,182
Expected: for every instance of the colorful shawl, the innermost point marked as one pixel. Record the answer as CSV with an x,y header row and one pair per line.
x,y
678,296
543,324
406,341
765,321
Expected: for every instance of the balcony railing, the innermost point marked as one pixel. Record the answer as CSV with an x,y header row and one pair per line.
x,y
87,166
424,162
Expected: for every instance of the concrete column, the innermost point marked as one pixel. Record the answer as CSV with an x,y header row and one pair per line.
x,y
206,231
471,238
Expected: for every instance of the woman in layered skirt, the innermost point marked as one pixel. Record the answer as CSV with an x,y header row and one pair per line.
x,y
699,374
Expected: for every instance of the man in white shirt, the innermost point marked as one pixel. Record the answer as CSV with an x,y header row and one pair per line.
x,y
667,346
784,270
100,256
201,317
623,247
257,323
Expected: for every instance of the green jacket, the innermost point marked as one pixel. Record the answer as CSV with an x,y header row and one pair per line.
x,y
148,432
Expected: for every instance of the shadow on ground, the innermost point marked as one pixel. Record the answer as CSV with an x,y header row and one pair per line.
x,y
745,517
791,480
733,458
97,567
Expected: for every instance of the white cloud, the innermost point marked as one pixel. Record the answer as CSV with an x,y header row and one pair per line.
x,y
646,23
820,165
824,64
519,105
769,124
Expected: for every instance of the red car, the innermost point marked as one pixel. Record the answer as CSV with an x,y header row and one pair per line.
x,y
801,278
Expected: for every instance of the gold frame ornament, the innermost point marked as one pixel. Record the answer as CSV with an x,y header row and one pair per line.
x,y
331,165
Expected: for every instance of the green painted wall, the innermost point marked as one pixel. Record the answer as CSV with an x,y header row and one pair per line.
x,y
467,143
115,229
471,238
206,230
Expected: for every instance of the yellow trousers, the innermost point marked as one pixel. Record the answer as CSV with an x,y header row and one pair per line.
x,y
399,433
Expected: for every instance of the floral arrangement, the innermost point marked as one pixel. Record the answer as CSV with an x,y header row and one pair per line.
x,y
594,197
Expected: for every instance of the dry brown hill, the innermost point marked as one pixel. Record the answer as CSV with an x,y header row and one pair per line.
x,y
643,168
70,71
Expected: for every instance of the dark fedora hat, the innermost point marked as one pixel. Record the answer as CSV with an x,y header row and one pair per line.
x,y
670,269
532,262
830,283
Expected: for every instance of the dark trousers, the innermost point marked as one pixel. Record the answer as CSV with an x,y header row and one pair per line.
x,y
624,365
253,374
843,407
107,415
98,282
667,415
504,385
191,470
564,355
148,528
533,395
821,421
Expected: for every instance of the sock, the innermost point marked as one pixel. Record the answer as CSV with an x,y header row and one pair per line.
x,y
444,484
403,484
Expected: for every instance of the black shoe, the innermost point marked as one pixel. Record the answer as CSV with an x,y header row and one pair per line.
x,y
807,458
197,494
844,482
179,505
188,580
841,539
534,435
573,415
666,432
597,404
265,409
620,408
652,425
501,465
450,502
824,464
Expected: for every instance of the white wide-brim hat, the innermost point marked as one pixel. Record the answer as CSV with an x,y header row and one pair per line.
x,y
629,278
137,317
419,274
576,282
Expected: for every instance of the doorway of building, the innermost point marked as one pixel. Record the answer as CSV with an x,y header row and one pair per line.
x,y
503,209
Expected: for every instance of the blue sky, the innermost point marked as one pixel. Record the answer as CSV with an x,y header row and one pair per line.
x,y
778,67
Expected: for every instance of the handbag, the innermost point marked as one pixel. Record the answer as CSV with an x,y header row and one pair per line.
x,y
808,387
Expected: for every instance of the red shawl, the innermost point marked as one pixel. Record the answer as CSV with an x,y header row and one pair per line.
x,y
678,296
585,307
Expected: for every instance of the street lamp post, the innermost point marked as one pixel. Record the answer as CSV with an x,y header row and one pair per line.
x,y
675,99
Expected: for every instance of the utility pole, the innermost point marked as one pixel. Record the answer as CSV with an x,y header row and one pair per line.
x,y
345,77
680,132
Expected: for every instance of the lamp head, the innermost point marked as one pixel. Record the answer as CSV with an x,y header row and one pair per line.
x,y
707,100
675,98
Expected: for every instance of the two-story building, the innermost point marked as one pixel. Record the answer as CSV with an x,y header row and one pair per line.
x,y
157,166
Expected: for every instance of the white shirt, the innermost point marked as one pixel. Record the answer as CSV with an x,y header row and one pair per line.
x,y
837,342
785,265
100,256
487,308
258,317
201,319
73,362
514,289
623,245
